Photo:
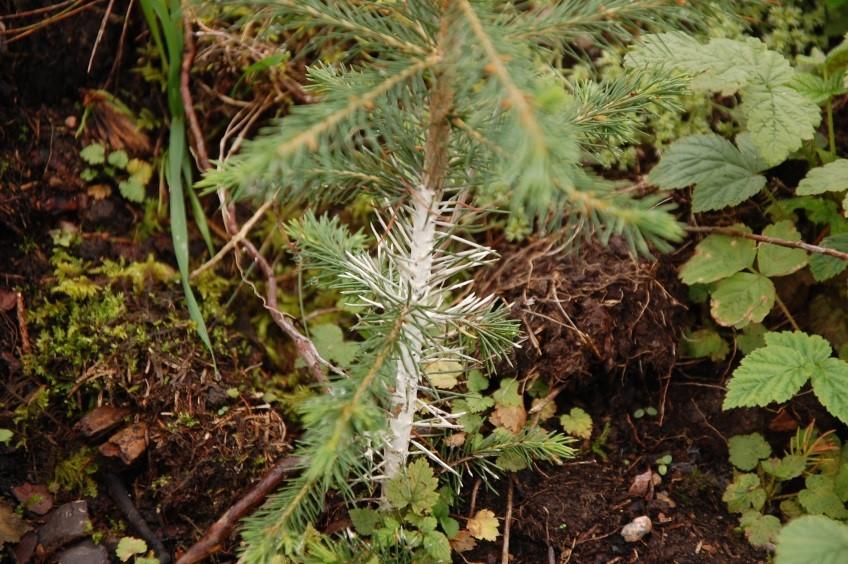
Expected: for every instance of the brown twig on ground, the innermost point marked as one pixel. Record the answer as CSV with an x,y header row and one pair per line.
x,y
731,232
305,348
473,503
221,529
507,523
26,347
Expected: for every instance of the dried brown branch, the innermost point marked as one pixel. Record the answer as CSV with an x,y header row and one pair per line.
x,y
305,348
26,347
731,232
223,527
507,522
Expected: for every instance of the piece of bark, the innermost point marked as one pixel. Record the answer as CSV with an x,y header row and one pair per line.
x,y
100,420
127,444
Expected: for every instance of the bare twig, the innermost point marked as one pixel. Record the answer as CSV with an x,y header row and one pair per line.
x,y
119,494
26,347
211,542
507,523
305,348
731,232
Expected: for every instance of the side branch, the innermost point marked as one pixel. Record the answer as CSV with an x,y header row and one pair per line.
x,y
731,232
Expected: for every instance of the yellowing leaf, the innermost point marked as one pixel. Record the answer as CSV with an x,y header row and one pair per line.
x,y
577,423
484,525
129,547
463,541
548,411
444,374
99,191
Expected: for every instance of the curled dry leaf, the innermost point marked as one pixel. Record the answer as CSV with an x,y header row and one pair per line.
x,y
510,417
463,541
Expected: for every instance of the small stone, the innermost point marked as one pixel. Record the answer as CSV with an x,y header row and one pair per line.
x,y
85,552
65,524
642,485
635,530
34,497
100,419
71,122
127,444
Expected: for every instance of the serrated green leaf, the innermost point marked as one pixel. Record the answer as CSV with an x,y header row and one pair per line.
x,y
329,340
477,403
132,190
825,267
819,497
5,436
744,493
129,547
832,177
717,257
511,461
813,87
507,394
88,174
779,120
94,154
577,423
786,468
722,174
742,299
774,260
761,530
476,381
769,374
118,159
437,546
141,170
830,384
415,488
364,520
813,348
705,343
812,539
746,451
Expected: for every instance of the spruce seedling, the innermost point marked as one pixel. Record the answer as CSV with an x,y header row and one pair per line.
x,y
432,106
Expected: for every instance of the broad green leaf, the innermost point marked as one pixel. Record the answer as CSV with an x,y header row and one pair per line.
x,y
813,87
722,174
577,423
329,340
744,493
5,436
819,497
129,547
825,267
832,177
761,530
476,381
477,403
364,520
786,468
511,461
94,154
742,299
812,539
779,120
830,384
769,374
746,451
717,257
705,343
415,488
132,189
774,260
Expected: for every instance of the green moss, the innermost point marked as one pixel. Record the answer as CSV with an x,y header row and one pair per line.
x,y
75,474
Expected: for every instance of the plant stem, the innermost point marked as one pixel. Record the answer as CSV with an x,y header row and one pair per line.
x,y
786,313
831,132
426,206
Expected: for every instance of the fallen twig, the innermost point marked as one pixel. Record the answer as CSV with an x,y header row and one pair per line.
x,y
731,232
26,347
305,348
210,542
119,494
507,523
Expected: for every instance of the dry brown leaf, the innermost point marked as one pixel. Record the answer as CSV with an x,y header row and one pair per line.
x,y
547,411
455,440
12,526
511,418
463,541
